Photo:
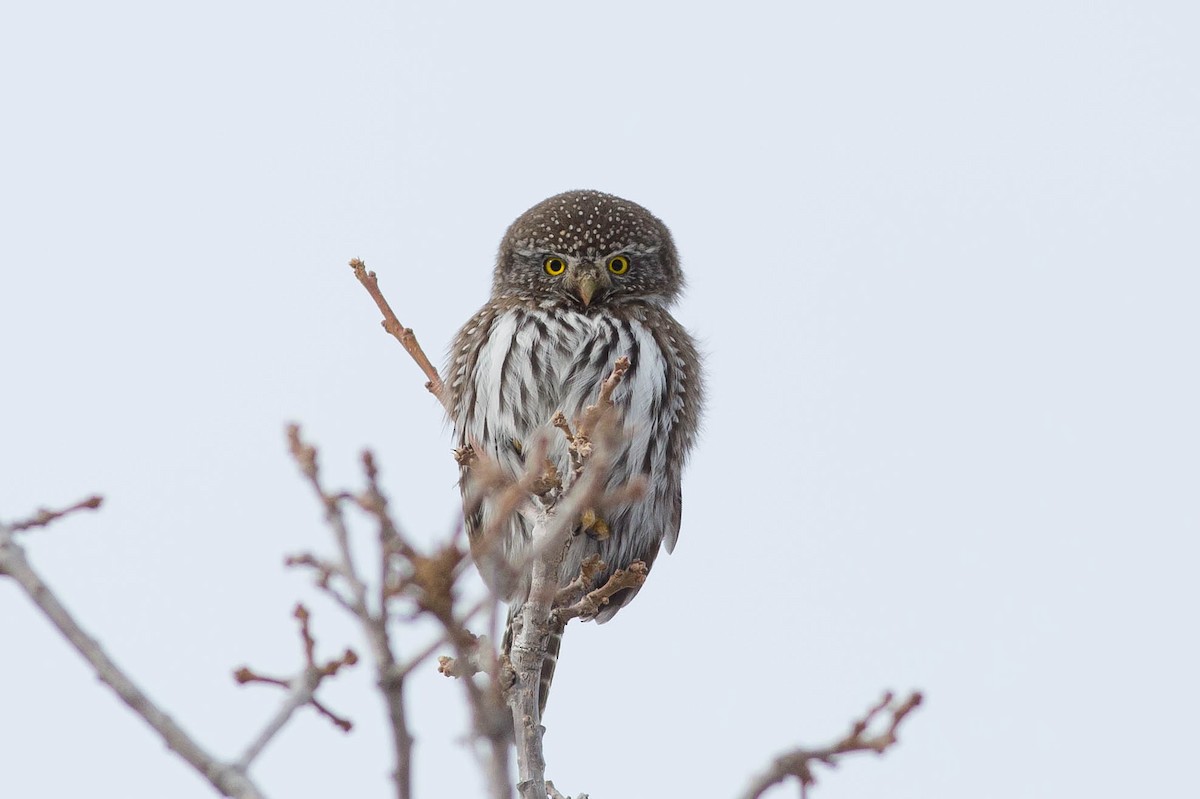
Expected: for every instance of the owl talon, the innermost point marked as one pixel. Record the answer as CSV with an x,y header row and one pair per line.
x,y
591,523
464,456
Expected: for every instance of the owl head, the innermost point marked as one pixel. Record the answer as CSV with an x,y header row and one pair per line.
x,y
590,250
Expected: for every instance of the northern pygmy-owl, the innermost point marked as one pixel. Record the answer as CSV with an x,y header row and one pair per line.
x,y
581,279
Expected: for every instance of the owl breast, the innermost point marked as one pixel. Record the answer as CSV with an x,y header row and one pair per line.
x,y
531,363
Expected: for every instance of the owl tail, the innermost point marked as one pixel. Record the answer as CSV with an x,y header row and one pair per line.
x,y
553,645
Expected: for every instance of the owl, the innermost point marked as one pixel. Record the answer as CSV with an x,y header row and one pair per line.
x,y
581,279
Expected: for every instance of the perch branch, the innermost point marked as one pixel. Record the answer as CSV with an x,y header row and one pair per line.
x,y
550,540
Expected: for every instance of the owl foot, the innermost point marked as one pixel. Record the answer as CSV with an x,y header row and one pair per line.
x,y
591,523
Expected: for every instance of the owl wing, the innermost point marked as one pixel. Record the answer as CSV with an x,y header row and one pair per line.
x,y
687,387
464,353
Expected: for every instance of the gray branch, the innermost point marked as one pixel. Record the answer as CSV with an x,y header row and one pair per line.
x,y
799,763
226,778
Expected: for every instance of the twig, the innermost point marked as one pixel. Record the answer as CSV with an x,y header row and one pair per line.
x,y
452,668
302,690
226,778
589,570
301,694
487,479
430,585
374,624
326,571
798,762
428,581
592,414
591,603
554,793
44,517
403,334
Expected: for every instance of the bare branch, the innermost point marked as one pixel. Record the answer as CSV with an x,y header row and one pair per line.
x,y
430,585
559,421
44,517
403,334
554,793
585,427
589,570
798,762
550,541
302,689
374,624
448,665
591,603
425,580
325,571
228,779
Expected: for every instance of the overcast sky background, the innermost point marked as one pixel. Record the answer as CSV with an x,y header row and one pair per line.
x,y
942,259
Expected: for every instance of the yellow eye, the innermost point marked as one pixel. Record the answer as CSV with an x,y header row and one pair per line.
x,y
618,264
554,266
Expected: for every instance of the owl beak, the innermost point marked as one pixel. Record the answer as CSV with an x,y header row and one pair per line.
x,y
588,283
586,288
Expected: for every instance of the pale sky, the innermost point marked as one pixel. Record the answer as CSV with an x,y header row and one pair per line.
x,y
943,262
